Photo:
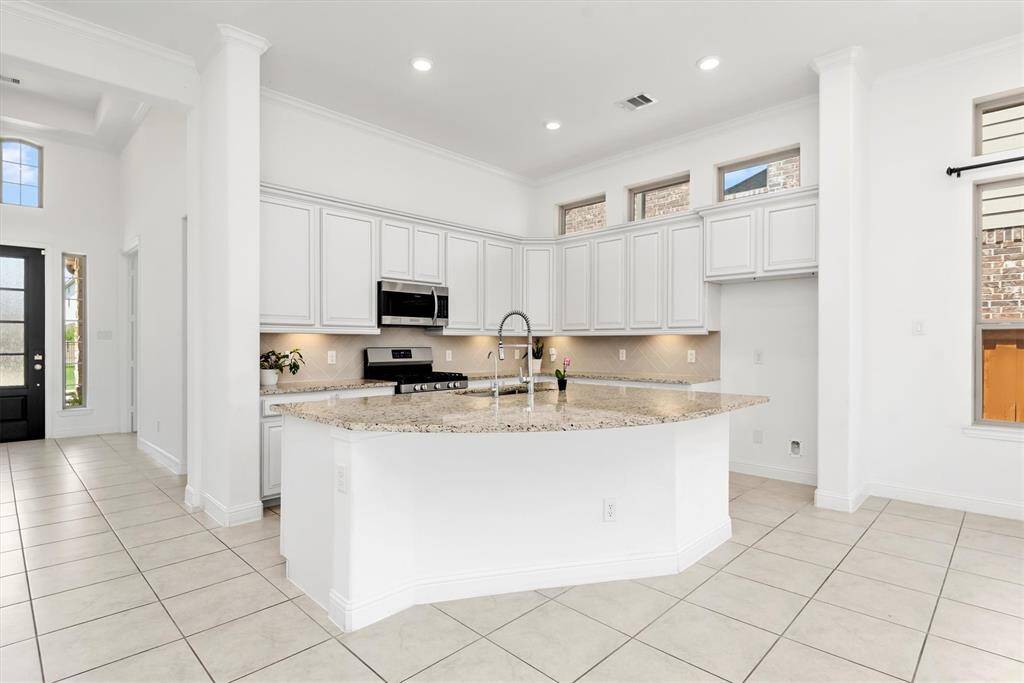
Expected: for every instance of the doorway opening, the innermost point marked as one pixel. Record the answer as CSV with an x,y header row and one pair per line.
x,y
132,259
22,343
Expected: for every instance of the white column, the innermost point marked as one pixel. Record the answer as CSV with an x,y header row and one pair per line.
x,y
842,211
224,461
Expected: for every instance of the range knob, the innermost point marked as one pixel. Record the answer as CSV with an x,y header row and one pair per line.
x,y
451,385
439,385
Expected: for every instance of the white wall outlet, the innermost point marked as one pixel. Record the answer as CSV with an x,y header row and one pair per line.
x,y
758,436
622,354
758,357
917,328
515,354
610,510
691,356
332,357
448,355
554,354
341,479
794,449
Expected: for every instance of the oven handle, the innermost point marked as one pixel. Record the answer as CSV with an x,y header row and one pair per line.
x,y
433,290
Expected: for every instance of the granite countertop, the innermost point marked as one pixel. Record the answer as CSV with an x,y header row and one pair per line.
x,y
323,385
654,378
581,407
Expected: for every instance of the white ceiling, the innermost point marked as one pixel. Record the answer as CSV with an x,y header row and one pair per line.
x,y
503,68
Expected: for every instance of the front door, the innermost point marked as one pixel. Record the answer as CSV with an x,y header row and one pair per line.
x,y
22,366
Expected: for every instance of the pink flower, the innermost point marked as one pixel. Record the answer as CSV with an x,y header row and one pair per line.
x,y
567,362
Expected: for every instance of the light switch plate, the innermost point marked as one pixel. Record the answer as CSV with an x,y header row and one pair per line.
x,y
332,357
448,355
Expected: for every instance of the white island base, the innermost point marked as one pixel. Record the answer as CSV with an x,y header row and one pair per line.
x,y
376,522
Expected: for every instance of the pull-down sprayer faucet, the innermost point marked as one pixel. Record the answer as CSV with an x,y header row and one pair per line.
x,y
528,346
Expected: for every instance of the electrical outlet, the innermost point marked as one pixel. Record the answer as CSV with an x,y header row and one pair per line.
x,y
758,357
610,510
691,356
794,449
332,357
515,354
917,328
758,436
622,354
554,354
341,476
448,355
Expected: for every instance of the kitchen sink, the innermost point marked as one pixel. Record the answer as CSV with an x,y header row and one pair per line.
x,y
507,389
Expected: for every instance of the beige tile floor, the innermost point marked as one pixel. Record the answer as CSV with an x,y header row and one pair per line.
x,y
107,577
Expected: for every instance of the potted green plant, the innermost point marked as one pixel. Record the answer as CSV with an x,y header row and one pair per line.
x,y
538,355
562,375
272,363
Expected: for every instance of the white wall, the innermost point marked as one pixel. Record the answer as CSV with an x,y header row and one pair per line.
x,y
779,319
80,214
918,265
697,153
154,202
310,148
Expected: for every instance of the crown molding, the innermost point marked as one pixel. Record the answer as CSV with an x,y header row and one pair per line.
x,y
848,56
720,127
235,34
67,22
345,119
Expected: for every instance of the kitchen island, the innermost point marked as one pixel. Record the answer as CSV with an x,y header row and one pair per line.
x,y
393,501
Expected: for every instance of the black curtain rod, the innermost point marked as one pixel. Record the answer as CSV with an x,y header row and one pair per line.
x,y
950,170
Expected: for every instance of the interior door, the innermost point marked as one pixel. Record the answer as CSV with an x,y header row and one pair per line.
x,y
22,364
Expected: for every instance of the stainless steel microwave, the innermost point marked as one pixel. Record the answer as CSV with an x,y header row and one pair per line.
x,y
411,304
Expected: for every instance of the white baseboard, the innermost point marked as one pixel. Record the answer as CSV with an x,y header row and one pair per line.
x,y
349,616
774,472
67,430
171,462
192,499
840,501
232,516
985,506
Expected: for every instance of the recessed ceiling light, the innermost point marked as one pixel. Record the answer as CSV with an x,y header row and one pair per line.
x,y
708,63
422,64
552,125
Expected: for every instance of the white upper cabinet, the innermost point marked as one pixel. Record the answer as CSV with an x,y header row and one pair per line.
x,y
288,246
396,247
499,283
791,235
539,286
348,287
610,283
731,247
575,279
428,255
464,275
645,279
686,296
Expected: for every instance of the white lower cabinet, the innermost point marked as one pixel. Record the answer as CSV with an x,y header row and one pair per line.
x,y
270,456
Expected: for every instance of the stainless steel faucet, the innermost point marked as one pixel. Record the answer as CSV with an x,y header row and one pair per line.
x,y
528,346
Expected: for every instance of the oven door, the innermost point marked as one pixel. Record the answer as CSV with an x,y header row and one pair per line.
x,y
411,304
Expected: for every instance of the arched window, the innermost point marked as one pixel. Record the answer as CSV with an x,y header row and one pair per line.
x,y
23,173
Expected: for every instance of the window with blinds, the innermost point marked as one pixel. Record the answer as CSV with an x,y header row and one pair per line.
x,y
999,315
999,125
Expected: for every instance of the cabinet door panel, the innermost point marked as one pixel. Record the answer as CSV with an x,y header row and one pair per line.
x,y
270,457
428,255
685,279
288,243
610,283
576,286
499,282
645,280
539,287
396,251
347,255
464,279
790,236
731,240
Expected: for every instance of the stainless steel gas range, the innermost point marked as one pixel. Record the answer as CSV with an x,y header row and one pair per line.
x,y
412,367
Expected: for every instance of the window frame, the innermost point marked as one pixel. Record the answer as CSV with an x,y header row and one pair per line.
x,y
979,325
83,322
40,150
589,201
985,105
757,160
643,189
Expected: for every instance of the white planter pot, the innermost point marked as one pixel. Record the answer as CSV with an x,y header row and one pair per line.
x,y
535,365
268,378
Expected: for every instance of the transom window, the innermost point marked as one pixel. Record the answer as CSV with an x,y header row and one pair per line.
x,y
660,198
74,330
999,314
999,125
768,173
588,214
22,173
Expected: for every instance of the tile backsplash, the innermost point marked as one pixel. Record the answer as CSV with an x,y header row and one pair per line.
x,y
654,354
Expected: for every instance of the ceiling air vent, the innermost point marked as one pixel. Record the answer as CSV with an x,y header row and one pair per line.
x,y
637,101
